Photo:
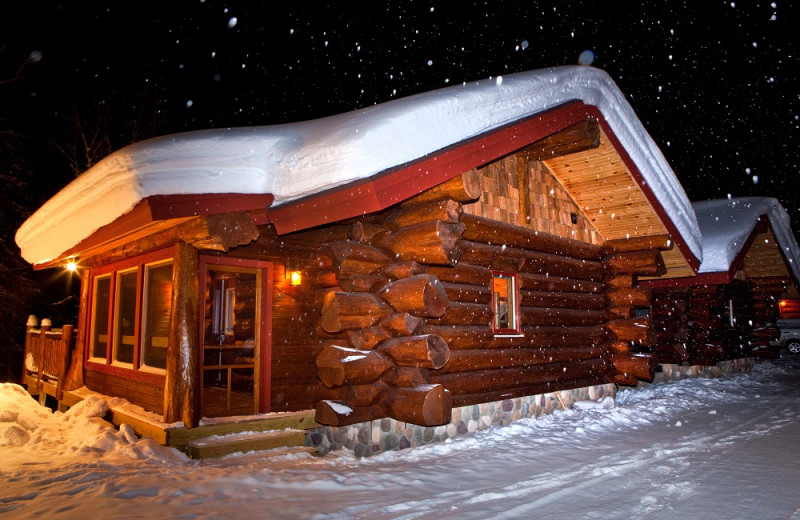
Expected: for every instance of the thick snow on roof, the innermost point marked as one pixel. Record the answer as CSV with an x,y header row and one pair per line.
x,y
726,224
295,160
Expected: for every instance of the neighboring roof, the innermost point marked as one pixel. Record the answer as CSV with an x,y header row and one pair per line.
x,y
297,160
728,227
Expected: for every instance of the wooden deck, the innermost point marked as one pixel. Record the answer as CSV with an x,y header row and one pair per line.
x,y
218,437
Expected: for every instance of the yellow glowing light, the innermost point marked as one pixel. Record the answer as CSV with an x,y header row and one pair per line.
x,y
295,278
72,266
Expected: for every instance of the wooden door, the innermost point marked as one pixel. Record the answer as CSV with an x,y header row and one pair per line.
x,y
235,334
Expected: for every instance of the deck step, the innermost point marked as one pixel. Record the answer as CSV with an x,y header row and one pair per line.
x,y
219,446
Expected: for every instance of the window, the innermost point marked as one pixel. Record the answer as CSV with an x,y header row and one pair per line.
x,y
130,314
100,307
156,314
505,303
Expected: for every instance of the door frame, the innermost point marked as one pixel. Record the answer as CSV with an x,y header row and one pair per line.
x,y
262,392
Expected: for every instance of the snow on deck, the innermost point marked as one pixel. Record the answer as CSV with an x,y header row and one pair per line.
x,y
726,225
295,160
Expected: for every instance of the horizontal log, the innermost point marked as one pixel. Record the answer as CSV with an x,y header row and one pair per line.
x,y
563,300
405,377
579,137
363,283
338,365
351,310
426,405
422,295
636,296
488,231
564,317
355,395
404,216
639,366
481,336
509,378
483,359
638,243
540,282
406,269
367,339
640,263
338,413
637,330
463,188
365,232
326,279
432,243
402,324
615,312
537,389
353,258
424,351
460,313
502,258
460,292
463,273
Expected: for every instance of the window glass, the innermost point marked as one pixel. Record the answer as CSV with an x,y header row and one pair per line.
x,y
125,317
100,304
156,314
504,303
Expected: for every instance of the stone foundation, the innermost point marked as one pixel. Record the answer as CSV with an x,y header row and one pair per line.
x,y
370,438
671,372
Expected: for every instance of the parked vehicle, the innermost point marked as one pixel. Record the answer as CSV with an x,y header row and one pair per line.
x,y
790,335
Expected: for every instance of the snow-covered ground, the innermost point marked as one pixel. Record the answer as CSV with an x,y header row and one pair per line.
x,y
694,449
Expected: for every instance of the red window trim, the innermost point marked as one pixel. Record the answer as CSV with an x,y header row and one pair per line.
x,y
517,321
136,371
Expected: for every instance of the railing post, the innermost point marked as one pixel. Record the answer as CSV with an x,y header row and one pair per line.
x,y
32,323
65,352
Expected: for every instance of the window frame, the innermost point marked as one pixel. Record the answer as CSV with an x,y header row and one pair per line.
x,y
515,330
109,365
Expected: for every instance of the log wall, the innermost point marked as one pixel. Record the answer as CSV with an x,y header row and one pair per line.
x,y
406,314
693,323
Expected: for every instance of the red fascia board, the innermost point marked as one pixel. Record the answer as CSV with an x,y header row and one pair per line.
x,y
690,281
405,181
164,207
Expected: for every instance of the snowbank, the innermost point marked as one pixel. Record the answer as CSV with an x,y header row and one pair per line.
x,y
29,432
726,225
298,159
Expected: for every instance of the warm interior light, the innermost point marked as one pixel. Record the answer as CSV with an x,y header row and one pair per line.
x,y
72,266
295,277
782,303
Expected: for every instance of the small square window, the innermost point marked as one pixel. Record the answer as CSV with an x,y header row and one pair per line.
x,y
505,303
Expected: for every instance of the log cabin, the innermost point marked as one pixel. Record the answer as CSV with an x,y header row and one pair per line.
x,y
470,245
729,310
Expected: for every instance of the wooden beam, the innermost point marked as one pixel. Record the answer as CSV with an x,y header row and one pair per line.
x,y
584,135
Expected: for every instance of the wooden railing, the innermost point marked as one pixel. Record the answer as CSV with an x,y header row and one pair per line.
x,y
47,355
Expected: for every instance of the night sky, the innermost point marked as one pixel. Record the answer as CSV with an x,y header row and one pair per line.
x,y
715,83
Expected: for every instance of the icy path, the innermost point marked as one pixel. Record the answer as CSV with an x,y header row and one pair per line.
x,y
693,449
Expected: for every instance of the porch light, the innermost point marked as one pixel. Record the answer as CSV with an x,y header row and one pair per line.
x,y
295,277
72,265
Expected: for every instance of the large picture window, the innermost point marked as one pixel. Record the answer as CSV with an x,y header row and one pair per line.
x,y
130,314
505,304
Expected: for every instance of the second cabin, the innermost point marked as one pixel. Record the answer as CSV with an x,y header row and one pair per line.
x,y
491,249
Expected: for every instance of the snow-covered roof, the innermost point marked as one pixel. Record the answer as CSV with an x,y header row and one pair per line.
x,y
726,225
295,160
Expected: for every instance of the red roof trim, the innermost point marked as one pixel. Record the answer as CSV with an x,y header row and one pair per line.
x,y
164,207
700,279
398,184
